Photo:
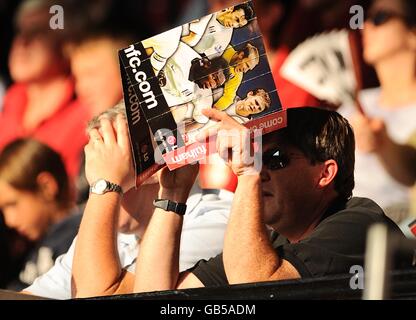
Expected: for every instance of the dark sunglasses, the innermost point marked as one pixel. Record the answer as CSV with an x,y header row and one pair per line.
x,y
380,17
276,159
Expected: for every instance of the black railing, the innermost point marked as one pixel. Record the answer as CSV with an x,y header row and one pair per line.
x,y
333,288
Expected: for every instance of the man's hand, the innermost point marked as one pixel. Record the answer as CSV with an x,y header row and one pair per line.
x,y
176,185
233,142
370,134
108,154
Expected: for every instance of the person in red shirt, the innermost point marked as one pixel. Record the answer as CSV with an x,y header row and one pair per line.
x,y
40,104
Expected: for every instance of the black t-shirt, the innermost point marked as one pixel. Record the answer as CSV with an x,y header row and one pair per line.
x,y
336,244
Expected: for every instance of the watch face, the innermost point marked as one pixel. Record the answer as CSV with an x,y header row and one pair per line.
x,y
100,187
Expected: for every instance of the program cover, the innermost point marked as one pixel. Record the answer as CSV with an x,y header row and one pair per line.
x,y
217,61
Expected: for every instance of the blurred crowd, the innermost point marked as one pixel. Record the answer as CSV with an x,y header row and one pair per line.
x,y
52,82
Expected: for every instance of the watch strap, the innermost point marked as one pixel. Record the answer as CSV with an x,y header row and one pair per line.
x,y
170,206
112,187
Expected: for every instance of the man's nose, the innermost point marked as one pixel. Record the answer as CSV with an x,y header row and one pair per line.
x,y
264,174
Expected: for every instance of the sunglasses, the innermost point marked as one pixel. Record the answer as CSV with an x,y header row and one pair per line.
x,y
380,17
276,159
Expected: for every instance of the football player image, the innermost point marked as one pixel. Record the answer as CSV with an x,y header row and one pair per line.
x,y
240,63
256,102
209,74
242,110
187,80
212,34
161,47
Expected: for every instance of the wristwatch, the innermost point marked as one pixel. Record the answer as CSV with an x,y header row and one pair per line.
x,y
102,186
171,206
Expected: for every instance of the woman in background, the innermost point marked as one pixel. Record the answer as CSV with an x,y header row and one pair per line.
x,y
36,201
40,103
389,39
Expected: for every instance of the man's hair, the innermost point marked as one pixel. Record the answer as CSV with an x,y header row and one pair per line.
x,y
249,48
32,21
21,162
247,8
86,20
323,135
264,94
203,67
110,114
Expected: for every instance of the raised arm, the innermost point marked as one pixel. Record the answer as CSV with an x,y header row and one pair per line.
x,y
248,256
96,267
399,160
157,265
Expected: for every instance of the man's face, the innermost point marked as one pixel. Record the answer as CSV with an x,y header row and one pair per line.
x,y
234,19
97,74
391,25
25,211
33,59
253,104
244,63
287,191
213,80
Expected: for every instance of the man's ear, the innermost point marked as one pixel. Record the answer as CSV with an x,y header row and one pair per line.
x,y
329,171
48,186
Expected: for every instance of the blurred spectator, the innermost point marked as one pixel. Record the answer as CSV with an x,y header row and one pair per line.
x,y
389,40
193,10
83,18
37,201
274,16
94,32
40,103
162,14
95,66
